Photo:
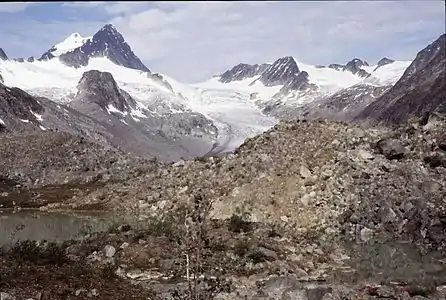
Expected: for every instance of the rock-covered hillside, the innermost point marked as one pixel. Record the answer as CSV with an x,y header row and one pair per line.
x,y
281,206
309,175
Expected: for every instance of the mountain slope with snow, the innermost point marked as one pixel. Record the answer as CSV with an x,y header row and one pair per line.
x,y
155,95
356,80
242,102
72,42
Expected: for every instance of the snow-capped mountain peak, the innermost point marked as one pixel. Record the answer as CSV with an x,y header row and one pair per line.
x,y
109,43
280,72
75,50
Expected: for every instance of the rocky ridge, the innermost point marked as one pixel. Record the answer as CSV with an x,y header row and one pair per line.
x,y
422,88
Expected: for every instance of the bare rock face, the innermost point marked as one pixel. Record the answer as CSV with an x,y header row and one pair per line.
x,y
3,55
242,71
384,61
355,65
100,88
284,71
281,72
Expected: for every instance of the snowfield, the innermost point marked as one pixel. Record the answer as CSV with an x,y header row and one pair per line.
x,y
72,42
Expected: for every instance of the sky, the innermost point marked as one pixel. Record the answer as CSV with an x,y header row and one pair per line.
x,y
192,41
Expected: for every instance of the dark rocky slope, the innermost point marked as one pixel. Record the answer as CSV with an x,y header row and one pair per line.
x,y
422,88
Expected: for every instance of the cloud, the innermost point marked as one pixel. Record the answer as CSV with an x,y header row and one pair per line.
x,y
111,8
195,40
89,4
6,7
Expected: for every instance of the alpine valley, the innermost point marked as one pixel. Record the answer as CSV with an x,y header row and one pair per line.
x,y
277,180
98,88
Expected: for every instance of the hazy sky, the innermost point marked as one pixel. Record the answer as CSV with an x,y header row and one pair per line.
x,y
193,41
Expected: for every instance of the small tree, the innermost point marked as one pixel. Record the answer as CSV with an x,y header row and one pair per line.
x,y
194,242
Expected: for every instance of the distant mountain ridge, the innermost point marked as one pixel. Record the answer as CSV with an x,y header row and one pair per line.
x,y
286,72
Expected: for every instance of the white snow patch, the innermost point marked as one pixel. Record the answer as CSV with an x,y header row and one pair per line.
x,y
38,117
137,113
42,128
112,108
388,74
72,42
24,121
2,122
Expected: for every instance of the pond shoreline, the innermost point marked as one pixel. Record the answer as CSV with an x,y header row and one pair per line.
x,y
134,264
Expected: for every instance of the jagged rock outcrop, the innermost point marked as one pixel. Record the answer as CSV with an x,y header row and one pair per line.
x,y
107,42
355,65
242,71
30,59
160,79
46,56
298,82
422,88
384,61
100,88
3,55
286,72
281,72
336,67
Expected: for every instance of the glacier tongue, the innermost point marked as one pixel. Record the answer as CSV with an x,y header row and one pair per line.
x,y
234,115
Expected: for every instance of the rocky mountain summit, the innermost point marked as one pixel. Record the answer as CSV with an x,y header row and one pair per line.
x,y
284,71
242,71
353,66
107,115
384,61
107,42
